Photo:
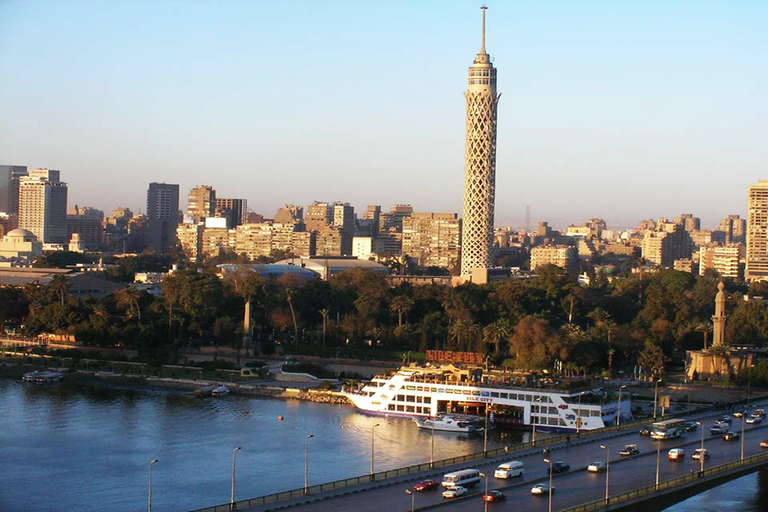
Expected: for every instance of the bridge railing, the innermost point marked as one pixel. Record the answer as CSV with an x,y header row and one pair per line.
x,y
650,489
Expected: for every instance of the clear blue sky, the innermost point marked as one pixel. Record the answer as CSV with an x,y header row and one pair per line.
x,y
624,110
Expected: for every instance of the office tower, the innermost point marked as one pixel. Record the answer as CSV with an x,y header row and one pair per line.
x,y
344,220
234,210
43,205
393,221
479,163
562,256
289,214
162,216
432,239
9,188
201,203
757,232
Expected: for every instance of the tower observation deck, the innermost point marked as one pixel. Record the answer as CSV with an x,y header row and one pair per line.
x,y
479,162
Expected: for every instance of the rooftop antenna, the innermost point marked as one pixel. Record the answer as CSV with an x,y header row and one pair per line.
x,y
482,46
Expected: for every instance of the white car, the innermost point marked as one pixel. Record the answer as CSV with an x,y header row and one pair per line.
x,y
700,453
676,454
541,489
596,467
754,419
454,492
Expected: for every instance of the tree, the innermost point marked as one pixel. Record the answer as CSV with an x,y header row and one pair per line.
x,y
59,286
535,343
653,358
288,297
324,313
128,298
497,332
401,305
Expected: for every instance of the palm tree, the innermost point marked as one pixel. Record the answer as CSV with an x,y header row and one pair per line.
x,y
705,328
324,312
128,298
60,286
401,305
289,296
461,331
499,330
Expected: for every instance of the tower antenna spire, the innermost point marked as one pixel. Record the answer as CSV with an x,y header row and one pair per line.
x,y
482,46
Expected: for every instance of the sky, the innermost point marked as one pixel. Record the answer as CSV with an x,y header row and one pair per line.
x,y
620,110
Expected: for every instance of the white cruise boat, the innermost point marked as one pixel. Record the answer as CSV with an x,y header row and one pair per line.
x,y
509,398
448,423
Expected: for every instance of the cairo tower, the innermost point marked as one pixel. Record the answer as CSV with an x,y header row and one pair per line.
x,y
479,163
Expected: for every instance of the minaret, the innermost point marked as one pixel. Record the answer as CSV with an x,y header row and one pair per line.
x,y
718,335
479,163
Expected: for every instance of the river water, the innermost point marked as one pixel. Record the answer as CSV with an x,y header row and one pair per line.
x,y
88,448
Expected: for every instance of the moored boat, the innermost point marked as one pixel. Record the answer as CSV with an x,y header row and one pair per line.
x,y
42,377
448,424
220,391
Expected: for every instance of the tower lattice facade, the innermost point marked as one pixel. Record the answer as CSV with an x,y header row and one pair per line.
x,y
479,163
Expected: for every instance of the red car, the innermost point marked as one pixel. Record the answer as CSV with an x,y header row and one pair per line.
x,y
494,496
426,485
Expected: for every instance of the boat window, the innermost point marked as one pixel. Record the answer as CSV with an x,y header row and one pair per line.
x,y
418,410
494,395
594,413
401,398
418,399
410,398
427,400
553,410
504,395
391,407
409,408
400,408
553,421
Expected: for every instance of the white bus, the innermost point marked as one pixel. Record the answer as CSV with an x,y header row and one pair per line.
x,y
463,478
668,429
509,469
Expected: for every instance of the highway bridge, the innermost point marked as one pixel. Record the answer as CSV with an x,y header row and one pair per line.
x,y
630,479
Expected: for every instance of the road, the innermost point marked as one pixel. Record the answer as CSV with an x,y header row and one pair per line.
x,y
573,488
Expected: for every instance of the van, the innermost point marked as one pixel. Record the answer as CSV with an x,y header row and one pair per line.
x,y
463,478
676,454
509,469
719,429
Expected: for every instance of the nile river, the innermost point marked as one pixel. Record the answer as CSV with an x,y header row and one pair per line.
x,y
88,448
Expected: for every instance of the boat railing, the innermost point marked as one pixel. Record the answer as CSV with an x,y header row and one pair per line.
x,y
492,384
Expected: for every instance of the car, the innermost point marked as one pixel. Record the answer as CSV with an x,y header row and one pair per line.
x,y
764,443
718,430
754,419
426,485
629,450
700,453
760,412
596,467
731,435
691,426
494,496
454,492
646,430
725,419
542,489
559,467
676,454
739,414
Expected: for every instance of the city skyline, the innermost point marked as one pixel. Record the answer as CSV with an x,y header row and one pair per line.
x,y
178,96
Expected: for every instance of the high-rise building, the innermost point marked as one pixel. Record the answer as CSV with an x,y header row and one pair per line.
x,y
289,213
318,216
432,238
88,223
667,243
9,190
162,216
479,163
688,221
757,232
201,203
732,230
723,259
265,238
43,205
191,240
234,210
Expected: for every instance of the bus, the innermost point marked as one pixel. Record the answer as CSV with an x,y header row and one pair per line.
x,y
668,429
464,478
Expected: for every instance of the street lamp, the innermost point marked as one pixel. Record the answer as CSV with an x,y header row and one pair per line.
x,y
485,501
618,417
749,381
607,470
743,417
655,397
232,494
413,499
432,454
372,452
149,497
549,461
658,454
306,462
485,434
701,453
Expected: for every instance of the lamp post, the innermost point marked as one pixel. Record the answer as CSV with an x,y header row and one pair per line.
x,y
485,501
658,455
413,499
743,417
749,382
432,453
232,493
306,462
485,434
618,417
549,461
701,453
578,418
655,397
372,452
149,495
607,470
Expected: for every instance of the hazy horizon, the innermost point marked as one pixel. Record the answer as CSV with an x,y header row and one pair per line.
x,y
611,110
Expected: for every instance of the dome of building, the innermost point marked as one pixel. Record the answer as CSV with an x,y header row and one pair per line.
x,y
21,234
